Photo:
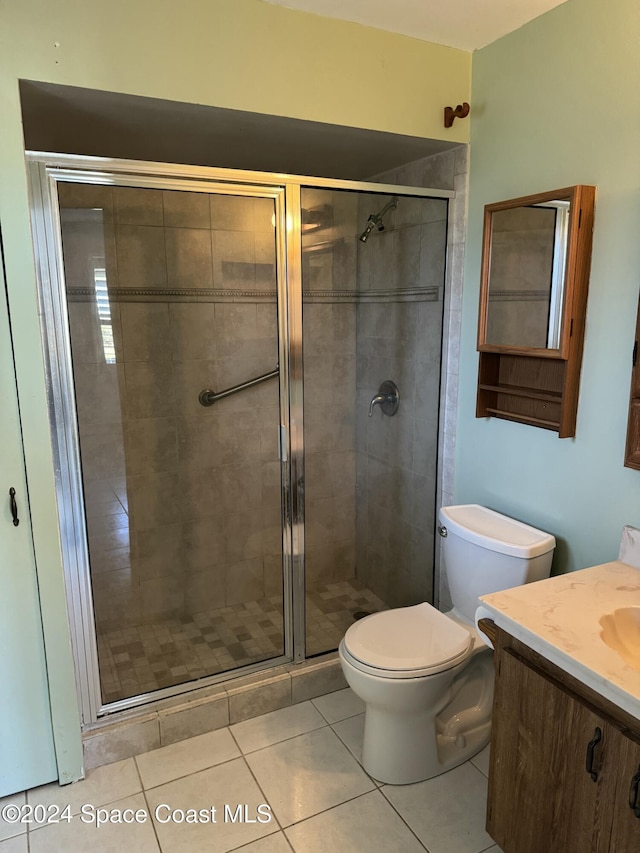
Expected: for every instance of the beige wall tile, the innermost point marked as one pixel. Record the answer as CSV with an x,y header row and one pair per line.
x,y
202,547
85,195
121,741
138,206
244,581
161,597
198,443
102,452
204,590
255,699
318,476
189,259
243,542
193,330
234,260
98,393
154,500
116,599
235,322
273,579
145,331
265,244
151,446
190,378
194,718
141,257
236,213
198,500
186,209
307,682
149,389
271,529
158,552
238,439
83,234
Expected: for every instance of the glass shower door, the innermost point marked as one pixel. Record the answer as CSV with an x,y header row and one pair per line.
x,y
169,293
372,295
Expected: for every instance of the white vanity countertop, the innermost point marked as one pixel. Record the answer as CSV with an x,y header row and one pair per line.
x,y
560,619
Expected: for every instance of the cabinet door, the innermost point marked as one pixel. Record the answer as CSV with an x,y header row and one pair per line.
x,y
541,797
622,764
27,756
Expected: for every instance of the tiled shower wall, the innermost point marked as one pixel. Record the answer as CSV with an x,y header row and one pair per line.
x,y
399,332
447,171
183,502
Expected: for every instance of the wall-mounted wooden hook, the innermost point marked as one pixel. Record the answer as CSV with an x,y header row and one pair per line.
x,y
461,111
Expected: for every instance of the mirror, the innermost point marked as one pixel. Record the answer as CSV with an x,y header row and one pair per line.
x,y
524,271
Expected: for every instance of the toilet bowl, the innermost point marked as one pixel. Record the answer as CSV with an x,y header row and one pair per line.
x,y
426,677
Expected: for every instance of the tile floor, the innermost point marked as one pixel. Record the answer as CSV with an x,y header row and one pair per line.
x,y
290,781
148,657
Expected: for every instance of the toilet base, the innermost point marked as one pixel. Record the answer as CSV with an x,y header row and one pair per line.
x,y
418,728
406,755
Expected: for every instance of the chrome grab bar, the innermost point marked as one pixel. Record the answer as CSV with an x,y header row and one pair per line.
x,y
208,397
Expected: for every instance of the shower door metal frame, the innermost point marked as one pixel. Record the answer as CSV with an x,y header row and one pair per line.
x,y
45,170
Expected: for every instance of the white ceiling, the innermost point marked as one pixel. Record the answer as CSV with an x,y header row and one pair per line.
x,y
465,24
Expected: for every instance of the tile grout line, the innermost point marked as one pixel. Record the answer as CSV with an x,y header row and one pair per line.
x,y
284,740
152,821
403,819
259,786
193,772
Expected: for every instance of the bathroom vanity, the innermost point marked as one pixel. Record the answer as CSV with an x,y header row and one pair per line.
x,y
565,746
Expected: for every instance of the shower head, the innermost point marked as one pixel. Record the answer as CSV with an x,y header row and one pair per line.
x,y
371,224
375,220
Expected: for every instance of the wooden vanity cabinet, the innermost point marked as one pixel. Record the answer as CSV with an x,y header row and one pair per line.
x,y
562,763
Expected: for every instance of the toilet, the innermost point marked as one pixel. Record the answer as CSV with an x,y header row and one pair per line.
x,y
426,677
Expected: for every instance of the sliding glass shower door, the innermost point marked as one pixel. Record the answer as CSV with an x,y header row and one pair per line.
x,y
228,496
171,294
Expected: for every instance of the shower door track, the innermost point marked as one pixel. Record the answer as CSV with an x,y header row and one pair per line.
x,y
45,169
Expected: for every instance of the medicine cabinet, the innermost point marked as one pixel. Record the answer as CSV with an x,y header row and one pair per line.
x,y
536,257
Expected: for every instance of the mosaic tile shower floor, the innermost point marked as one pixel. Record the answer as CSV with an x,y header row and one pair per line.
x,y
149,657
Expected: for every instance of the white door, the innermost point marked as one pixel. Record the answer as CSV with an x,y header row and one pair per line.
x,y
27,756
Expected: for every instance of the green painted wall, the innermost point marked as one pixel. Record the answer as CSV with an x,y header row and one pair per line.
x,y
240,54
557,103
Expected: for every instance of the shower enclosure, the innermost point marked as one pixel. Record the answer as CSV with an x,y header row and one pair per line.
x,y
213,342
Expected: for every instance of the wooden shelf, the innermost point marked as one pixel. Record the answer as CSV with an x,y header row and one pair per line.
x,y
524,419
519,391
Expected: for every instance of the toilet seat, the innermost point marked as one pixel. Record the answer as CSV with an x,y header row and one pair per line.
x,y
407,642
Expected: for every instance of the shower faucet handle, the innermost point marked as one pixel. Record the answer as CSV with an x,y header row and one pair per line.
x,y
388,398
378,400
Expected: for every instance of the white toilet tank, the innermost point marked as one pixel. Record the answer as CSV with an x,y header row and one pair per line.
x,y
485,552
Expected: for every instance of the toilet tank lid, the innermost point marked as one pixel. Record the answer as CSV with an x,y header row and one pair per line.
x,y
497,532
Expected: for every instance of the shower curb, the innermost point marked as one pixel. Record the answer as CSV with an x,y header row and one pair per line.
x,y
128,733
